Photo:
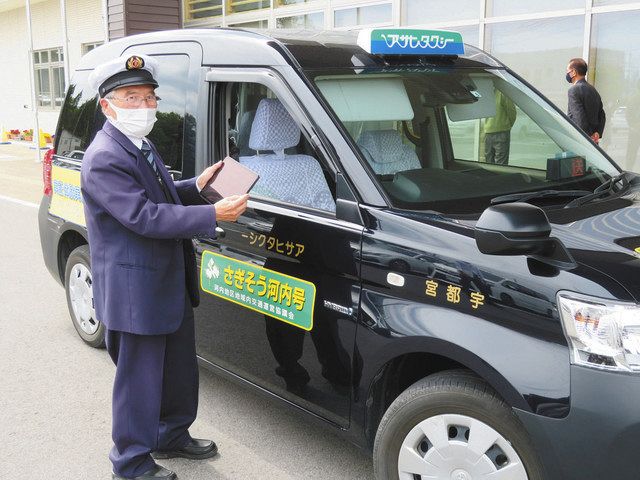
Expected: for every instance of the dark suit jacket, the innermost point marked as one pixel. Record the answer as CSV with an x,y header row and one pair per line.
x,y
138,256
585,108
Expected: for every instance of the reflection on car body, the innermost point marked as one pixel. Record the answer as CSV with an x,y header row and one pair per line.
x,y
510,294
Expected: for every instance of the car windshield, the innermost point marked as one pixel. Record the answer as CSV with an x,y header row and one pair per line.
x,y
452,139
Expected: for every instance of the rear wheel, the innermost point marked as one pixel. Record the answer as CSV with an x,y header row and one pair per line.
x,y
452,425
79,288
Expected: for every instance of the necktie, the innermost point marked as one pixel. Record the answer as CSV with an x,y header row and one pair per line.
x,y
148,154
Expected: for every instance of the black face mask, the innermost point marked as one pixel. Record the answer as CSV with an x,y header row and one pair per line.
x,y
568,77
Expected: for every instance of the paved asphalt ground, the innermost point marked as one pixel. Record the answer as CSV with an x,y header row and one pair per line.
x,y
55,392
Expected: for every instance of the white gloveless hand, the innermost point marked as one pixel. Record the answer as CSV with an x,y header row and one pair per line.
x,y
230,208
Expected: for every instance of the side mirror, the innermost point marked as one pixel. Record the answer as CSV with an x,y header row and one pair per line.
x,y
520,229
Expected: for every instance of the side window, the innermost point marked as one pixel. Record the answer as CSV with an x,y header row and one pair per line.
x,y
465,139
173,133
79,119
264,136
168,134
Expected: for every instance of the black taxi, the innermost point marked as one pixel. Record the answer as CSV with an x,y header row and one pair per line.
x,y
461,303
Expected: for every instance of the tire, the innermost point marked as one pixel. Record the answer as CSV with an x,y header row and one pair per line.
x,y
429,430
78,286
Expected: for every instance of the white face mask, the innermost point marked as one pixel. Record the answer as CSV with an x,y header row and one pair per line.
x,y
134,122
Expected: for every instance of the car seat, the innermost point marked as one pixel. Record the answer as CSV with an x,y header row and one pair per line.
x,y
386,153
297,179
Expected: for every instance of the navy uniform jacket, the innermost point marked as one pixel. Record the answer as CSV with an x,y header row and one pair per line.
x,y
585,108
138,256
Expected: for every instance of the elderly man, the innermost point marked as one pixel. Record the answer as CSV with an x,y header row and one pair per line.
x,y
140,223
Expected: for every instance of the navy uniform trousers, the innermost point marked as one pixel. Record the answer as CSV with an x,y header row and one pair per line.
x,y
155,394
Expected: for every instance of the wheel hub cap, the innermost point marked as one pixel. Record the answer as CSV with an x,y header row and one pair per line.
x,y
461,475
81,296
457,447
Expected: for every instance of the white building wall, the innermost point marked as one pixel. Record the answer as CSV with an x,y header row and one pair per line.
x,y
14,76
85,24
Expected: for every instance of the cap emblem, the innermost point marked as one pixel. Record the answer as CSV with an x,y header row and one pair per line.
x,y
135,63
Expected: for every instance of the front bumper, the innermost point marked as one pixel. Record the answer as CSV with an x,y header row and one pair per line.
x,y
599,438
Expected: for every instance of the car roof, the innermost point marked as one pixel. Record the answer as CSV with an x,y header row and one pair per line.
x,y
307,49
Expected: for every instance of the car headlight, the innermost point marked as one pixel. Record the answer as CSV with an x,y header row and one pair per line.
x,y
601,333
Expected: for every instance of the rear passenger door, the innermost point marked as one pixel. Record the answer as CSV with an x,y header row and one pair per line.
x,y
280,287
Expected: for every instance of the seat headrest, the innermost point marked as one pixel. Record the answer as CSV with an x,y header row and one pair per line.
x,y
384,146
273,128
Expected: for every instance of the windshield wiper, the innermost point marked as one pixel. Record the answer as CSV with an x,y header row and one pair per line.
x,y
607,187
526,196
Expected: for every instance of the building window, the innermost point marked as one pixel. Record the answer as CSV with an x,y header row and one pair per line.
x,y
414,11
282,3
87,47
199,9
237,6
498,8
470,34
308,21
612,2
49,75
255,24
367,15
539,51
614,67
196,9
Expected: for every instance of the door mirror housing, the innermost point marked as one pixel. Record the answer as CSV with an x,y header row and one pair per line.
x,y
520,229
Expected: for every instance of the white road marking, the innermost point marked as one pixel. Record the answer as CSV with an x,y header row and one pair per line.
x,y
19,202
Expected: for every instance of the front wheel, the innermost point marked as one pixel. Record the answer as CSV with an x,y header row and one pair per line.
x,y
452,425
79,288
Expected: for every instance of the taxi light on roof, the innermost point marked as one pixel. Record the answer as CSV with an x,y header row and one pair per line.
x,y
404,41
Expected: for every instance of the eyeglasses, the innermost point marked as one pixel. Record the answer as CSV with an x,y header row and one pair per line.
x,y
136,100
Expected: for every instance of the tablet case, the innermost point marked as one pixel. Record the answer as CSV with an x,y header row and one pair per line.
x,y
232,178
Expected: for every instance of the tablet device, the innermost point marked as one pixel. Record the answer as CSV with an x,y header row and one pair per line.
x,y
232,178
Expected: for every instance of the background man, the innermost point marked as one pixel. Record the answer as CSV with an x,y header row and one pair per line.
x,y
144,273
585,105
497,129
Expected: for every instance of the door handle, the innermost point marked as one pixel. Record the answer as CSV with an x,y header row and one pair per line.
x,y
260,227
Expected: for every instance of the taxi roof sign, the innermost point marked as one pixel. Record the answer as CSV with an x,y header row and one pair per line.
x,y
410,41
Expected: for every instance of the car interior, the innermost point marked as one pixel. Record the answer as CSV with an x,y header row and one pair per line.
x,y
269,141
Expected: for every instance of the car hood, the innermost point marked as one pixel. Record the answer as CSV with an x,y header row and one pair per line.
x,y
605,236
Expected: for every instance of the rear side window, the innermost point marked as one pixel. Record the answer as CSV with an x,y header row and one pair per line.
x,y
79,118
168,134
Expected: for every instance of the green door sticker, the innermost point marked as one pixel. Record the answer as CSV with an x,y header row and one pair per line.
x,y
265,291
